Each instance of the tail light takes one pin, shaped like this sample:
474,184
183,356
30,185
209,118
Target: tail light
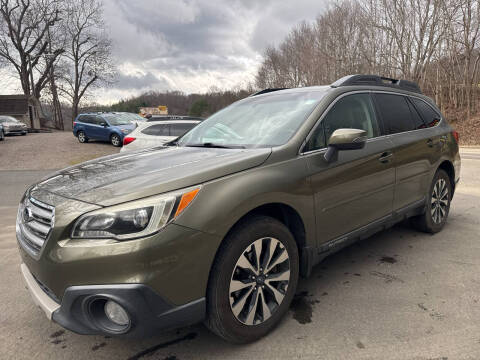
74,123
128,139
456,136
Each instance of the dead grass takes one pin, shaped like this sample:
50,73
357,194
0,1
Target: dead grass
469,130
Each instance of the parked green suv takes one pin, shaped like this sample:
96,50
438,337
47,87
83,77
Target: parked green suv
218,226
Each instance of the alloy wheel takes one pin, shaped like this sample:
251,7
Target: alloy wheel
440,199
259,281
115,140
81,137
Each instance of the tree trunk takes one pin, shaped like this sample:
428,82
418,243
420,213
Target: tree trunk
74,110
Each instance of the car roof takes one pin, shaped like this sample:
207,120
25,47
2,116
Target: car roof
354,82
172,122
174,117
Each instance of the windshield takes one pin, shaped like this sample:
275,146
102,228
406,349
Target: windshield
263,121
115,119
5,119
132,116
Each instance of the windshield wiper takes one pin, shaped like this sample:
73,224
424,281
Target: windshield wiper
213,145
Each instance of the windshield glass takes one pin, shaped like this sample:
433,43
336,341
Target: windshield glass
5,119
132,116
115,119
262,121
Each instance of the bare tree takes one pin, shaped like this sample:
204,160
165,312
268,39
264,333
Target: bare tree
24,42
433,42
87,53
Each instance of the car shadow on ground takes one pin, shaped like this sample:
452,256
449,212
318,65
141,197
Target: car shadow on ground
334,272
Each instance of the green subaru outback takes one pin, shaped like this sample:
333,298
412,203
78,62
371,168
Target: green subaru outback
219,225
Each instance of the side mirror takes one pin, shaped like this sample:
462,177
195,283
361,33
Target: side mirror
104,124
345,139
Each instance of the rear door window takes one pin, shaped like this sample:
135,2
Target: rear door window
180,129
430,116
395,113
157,130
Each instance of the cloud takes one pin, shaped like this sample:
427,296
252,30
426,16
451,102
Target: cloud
140,81
193,45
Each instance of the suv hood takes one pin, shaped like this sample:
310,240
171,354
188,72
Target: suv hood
131,126
128,176
11,123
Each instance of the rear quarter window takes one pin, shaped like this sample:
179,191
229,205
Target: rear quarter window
157,130
429,115
417,119
180,129
395,113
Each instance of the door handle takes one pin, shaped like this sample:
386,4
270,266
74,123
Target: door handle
386,157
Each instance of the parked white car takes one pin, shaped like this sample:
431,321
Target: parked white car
12,125
156,133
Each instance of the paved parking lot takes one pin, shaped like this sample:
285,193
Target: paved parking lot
398,295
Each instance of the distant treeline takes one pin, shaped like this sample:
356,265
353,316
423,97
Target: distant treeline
178,102
435,43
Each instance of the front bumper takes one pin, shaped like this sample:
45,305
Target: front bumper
14,131
40,297
81,308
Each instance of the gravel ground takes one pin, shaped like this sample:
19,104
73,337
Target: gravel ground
48,151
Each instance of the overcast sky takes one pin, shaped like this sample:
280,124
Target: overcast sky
192,45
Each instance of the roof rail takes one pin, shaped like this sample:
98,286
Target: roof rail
265,91
377,81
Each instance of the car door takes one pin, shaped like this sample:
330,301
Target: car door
88,127
411,149
355,188
101,128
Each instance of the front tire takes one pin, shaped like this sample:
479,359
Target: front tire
2,135
438,204
253,280
115,140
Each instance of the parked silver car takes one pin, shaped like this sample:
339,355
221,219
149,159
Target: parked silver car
156,133
12,126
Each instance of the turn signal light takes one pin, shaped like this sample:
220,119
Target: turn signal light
127,140
185,200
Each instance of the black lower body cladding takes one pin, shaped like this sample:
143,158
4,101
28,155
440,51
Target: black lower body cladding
82,310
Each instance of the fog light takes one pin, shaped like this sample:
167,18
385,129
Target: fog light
116,313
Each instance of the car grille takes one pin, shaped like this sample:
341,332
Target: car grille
35,221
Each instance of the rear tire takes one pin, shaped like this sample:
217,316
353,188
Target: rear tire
82,138
115,140
437,206
244,302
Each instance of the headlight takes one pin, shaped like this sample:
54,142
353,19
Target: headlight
125,131
134,219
